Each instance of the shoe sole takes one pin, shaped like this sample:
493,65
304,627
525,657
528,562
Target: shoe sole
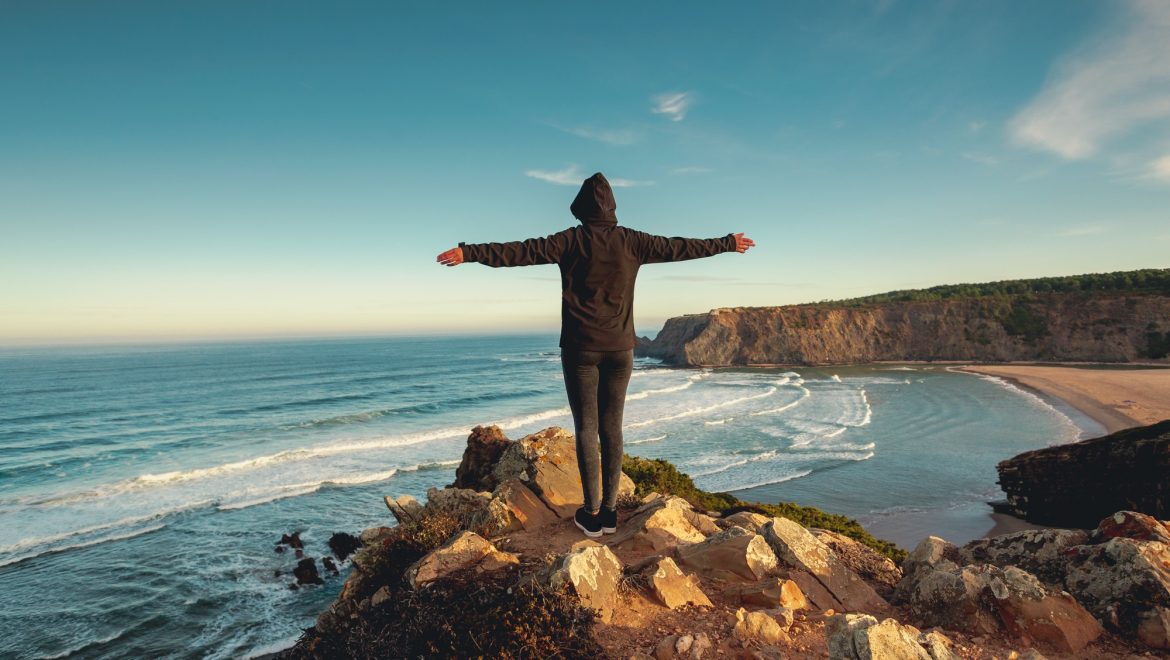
588,533
609,530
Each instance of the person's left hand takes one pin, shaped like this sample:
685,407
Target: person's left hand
452,257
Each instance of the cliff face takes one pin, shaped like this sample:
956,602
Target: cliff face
1053,327
1078,484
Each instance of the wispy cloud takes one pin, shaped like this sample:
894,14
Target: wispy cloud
1160,169
981,158
673,104
1086,230
1104,89
976,126
573,176
691,169
616,137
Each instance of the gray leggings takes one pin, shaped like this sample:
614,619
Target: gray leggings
596,384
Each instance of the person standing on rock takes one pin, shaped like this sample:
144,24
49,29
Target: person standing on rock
599,261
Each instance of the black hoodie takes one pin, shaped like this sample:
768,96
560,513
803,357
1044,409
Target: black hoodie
599,262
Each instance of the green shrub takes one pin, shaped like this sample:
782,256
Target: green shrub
659,476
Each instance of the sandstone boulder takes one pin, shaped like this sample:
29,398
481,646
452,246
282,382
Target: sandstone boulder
659,524
485,445
404,507
797,547
673,588
1031,612
769,592
862,637
869,564
733,554
525,509
464,550
749,520
1132,525
593,573
758,627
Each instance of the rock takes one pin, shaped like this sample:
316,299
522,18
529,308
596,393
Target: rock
1153,628
869,564
1038,551
984,599
659,524
672,587
665,648
485,445
1125,583
524,507
797,547
380,596
292,540
306,572
299,553
683,644
404,507
769,592
701,646
758,627
1078,484
279,548
749,520
937,645
1132,525
862,637
461,551
733,554
329,565
547,462
375,534
593,573
344,545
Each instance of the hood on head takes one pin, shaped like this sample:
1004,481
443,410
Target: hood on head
594,204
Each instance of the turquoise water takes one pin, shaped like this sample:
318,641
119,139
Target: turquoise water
142,489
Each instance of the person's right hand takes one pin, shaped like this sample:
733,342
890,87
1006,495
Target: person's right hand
452,257
742,243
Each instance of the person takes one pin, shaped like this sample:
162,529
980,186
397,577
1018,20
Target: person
599,261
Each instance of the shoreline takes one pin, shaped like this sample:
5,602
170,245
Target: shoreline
1116,398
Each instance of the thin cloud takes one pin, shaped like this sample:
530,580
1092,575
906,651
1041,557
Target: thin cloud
1088,230
615,137
1103,90
573,176
691,169
1160,169
673,104
976,126
982,159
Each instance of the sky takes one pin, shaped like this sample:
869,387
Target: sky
204,169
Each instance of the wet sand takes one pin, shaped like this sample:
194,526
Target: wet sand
1117,398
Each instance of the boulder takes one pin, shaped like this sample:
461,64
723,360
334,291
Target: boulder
546,461
593,572
733,554
1078,484
1038,551
862,637
344,545
525,509
374,534
463,504
673,588
769,592
485,445
659,524
1031,612
937,645
1132,525
758,627
463,550
404,507
306,572
797,547
749,520
1125,583
872,566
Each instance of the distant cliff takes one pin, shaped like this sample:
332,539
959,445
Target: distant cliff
1089,326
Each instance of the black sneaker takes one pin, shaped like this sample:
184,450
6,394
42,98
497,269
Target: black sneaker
590,523
608,518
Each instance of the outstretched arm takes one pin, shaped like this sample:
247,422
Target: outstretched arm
659,249
530,252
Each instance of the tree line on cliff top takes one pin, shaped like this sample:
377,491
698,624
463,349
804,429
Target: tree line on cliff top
1146,281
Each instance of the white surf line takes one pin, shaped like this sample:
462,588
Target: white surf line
772,411
1034,398
699,411
734,464
85,544
780,480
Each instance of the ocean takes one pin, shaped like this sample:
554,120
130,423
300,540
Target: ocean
142,489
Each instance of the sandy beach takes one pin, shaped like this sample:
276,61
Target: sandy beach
1117,398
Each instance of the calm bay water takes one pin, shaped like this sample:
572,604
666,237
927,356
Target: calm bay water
142,489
